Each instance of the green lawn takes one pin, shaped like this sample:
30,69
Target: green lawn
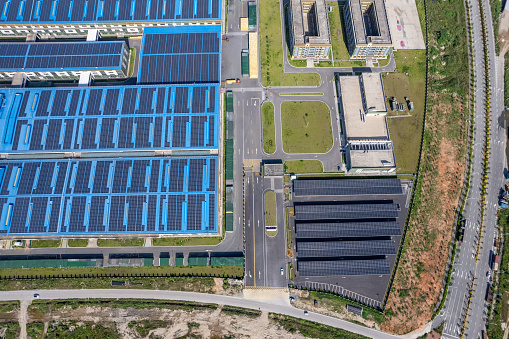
290,94
270,209
77,242
306,127
186,241
127,242
405,132
338,38
271,50
269,130
44,243
303,166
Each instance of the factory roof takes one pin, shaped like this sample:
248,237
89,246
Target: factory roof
93,11
108,118
58,56
109,196
180,55
373,93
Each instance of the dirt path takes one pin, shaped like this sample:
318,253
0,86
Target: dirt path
22,317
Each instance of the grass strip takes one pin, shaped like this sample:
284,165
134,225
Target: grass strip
127,242
269,129
45,243
186,241
270,208
303,166
77,242
290,94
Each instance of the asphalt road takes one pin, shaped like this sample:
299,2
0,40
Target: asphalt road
283,308
467,272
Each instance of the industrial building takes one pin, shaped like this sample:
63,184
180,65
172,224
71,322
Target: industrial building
363,110
180,55
309,29
110,17
367,29
108,119
64,60
127,159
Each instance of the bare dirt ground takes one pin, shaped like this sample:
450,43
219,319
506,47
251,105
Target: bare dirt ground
422,266
200,324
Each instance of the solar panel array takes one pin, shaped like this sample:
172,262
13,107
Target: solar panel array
322,249
347,211
109,118
180,55
343,268
151,195
61,56
347,229
81,11
346,187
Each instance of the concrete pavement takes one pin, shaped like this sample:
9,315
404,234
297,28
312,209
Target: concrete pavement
276,307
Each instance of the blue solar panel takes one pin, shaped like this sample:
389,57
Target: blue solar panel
180,55
81,11
108,196
109,118
58,56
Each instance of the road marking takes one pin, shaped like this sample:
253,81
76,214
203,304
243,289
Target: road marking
254,235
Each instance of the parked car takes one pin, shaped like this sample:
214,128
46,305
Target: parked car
282,271
305,312
36,295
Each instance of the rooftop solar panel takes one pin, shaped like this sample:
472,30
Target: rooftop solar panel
347,211
343,268
323,249
100,196
346,187
180,55
108,118
347,229
83,11
57,56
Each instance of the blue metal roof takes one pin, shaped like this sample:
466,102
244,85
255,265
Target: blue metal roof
180,55
61,56
93,11
109,118
141,195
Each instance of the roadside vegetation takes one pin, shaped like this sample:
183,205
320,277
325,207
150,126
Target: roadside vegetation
45,243
239,311
152,277
408,82
501,310
186,241
269,129
303,166
11,330
421,268
311,329
306,127
271,50
124,242
77,242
